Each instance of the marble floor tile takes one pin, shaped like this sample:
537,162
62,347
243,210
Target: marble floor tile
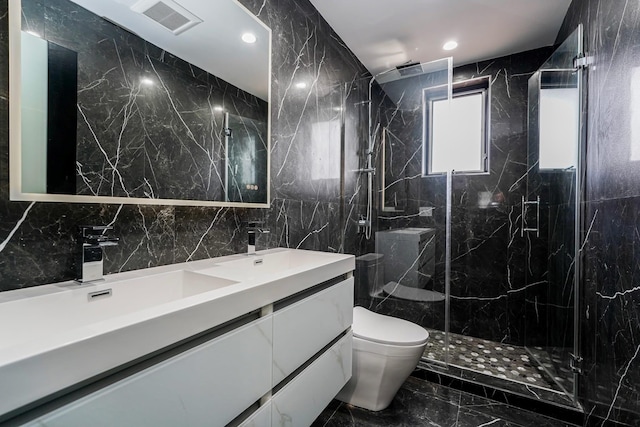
421,403
509,362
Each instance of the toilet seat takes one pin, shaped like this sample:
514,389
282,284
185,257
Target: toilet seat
382,329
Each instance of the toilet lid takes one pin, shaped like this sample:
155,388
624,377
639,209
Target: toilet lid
385,329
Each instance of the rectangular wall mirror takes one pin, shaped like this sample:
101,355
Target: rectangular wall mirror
139,102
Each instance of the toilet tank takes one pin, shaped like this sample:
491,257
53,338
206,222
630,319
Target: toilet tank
409,255
369,276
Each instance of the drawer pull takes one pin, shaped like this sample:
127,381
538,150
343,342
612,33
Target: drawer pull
92,296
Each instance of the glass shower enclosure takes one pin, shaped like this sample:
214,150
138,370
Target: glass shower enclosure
489,271
551,216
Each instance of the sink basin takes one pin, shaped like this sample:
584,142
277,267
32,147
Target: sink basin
90,303
259,265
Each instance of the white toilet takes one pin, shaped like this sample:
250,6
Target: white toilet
385,352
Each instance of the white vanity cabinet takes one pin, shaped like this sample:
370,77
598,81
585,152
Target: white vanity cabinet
208,385
303,328
260,418
280,364
301,401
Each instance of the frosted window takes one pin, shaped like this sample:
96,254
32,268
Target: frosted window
457,137
325,150
558,128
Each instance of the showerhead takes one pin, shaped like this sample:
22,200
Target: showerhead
409,69
412,69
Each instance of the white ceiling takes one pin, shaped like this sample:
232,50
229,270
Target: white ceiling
386,33
214,45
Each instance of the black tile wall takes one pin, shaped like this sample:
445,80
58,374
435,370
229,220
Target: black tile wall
610,308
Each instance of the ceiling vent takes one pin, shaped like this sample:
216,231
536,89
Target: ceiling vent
167,13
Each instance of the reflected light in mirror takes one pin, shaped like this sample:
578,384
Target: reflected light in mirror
635,115
450,45
249,38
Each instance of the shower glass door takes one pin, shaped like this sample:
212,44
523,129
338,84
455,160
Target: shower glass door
550,214
411,217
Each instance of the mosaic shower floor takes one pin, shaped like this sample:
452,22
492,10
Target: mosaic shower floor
498,360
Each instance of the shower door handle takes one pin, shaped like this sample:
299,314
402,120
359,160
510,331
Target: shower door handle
523,222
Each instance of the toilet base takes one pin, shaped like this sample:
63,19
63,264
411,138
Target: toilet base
378,373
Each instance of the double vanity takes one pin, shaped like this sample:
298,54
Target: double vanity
250,340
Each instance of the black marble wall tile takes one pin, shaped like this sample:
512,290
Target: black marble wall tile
205,232
611,301
42,245
610,305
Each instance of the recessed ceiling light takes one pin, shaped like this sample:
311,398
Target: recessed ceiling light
218,108
249,38
301,85
147,81
450,45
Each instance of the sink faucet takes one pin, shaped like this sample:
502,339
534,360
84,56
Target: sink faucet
91,241
253,231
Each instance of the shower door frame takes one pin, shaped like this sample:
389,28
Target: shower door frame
580,67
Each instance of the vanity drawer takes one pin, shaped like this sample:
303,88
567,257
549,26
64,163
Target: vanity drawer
301,401
260,418
306,327
210,384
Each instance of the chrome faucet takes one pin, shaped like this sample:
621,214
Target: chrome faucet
91,241
253,231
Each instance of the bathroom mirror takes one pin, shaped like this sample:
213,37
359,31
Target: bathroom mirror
139,102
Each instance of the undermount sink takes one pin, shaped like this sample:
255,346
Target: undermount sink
91,303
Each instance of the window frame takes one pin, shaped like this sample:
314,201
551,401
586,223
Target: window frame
462,88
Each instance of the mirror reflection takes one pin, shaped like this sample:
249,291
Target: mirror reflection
246,148
153,107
